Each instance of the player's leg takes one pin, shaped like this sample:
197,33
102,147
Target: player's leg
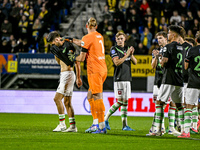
163,96
155,95
171,116
58,101
198,123
116,105
178,98
90,98
97,92
191,101
92,107
70,112
126,94
193,128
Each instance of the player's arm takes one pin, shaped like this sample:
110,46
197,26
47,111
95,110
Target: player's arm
81,57
118,61
133,59
78,74
163,61
57,59
76,41
155,59
186,65
72,40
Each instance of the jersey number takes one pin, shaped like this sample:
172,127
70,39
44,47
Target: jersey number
179,64
197,60
100,41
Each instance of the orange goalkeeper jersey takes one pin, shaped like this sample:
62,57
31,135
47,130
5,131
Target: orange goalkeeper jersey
94,43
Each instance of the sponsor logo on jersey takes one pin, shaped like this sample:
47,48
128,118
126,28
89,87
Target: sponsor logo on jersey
113,51
164,49
64,50
82,43
179,47
98,36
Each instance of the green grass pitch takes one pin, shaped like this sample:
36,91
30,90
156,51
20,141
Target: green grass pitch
34,131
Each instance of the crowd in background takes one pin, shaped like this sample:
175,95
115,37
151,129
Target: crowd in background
25,24
142,19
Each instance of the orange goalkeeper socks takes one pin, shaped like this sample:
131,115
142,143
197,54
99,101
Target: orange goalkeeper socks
93,108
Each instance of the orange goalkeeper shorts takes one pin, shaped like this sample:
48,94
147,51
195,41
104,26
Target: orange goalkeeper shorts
96,81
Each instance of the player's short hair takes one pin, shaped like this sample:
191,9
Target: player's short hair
92,23
197,36
190,40
52,35
178,30
161,33
120,33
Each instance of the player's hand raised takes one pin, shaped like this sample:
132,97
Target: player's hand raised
72,57
67,38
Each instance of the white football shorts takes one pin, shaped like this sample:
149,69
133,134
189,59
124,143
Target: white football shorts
122,90
192,96
66,85
175,92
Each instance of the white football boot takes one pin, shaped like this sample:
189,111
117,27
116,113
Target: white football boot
60,127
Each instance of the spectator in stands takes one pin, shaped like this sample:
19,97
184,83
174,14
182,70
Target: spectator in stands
44,46
141,50
118,19
23,46
144,6
148,14
184,23
112,5
103,26
6,29
156,8
106,14
198,15
23,26
195,27
109,32
6,7
182,8
37,8
15,17
14,46
162,24
123,5
189,18
5,47
189,33
146,38
168,8
135,36
130,41
176,18
31,18
133,21
153,46
35,30
194,6
150,25
107,43
2,17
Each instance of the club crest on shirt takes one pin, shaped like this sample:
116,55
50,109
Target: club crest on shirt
119,92
164,49
82,43
113,51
